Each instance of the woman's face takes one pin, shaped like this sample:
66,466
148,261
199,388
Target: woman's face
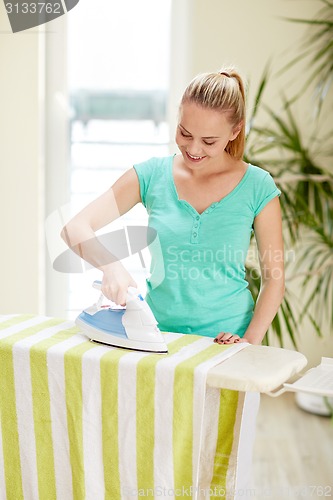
202,135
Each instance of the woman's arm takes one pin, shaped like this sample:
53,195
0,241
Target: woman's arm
79,233
268,232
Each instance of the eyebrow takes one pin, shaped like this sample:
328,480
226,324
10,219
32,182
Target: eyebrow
208,137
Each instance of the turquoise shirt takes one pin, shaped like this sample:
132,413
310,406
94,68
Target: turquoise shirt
197,283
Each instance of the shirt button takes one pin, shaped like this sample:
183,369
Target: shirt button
197,217
196,225
195,235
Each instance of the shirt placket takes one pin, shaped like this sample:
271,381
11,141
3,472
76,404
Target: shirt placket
195,232
197,220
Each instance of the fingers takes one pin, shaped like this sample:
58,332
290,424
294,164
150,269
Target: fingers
227,338
116,295
117,292
121,297
109,291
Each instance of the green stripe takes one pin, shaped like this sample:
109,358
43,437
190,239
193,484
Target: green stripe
11,449
10,438
109,396
29,331
15,320
42,412
225,439
183,405
145,413
74,405
175,345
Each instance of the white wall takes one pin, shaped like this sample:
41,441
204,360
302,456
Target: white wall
21,186
33,162
56,161
247,34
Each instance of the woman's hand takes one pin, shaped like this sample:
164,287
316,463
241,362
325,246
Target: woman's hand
115,283
228,338
80,234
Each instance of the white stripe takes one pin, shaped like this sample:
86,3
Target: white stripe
92,424
232,471
171,337
245,445
3,495
199,408
209,439
26,343
57,390
6,317
192,349
24,408
127,420
11,330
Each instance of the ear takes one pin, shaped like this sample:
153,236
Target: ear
236,130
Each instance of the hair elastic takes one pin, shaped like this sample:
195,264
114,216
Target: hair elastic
225,74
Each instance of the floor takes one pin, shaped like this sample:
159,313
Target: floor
293,454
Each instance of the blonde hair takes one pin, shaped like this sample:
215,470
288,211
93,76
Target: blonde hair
223,91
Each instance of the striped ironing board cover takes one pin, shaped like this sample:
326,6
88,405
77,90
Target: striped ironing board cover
85,421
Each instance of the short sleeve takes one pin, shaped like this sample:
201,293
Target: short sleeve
144,172
266,191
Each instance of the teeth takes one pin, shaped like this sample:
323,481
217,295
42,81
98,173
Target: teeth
195,157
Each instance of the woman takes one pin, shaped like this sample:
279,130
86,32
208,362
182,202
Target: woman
204,204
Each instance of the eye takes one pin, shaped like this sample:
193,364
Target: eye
209,143
183,134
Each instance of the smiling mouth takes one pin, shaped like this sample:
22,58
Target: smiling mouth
194,158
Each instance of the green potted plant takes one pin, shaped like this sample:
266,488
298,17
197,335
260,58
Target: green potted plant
302,167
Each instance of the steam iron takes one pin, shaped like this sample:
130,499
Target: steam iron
131,327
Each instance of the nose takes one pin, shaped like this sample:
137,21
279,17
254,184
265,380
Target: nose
195,148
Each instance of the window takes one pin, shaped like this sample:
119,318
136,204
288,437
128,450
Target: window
118,67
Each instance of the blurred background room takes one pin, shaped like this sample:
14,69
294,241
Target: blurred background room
89,94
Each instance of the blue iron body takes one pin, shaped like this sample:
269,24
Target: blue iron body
133,327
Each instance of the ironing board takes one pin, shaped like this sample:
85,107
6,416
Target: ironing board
58,425
257,369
